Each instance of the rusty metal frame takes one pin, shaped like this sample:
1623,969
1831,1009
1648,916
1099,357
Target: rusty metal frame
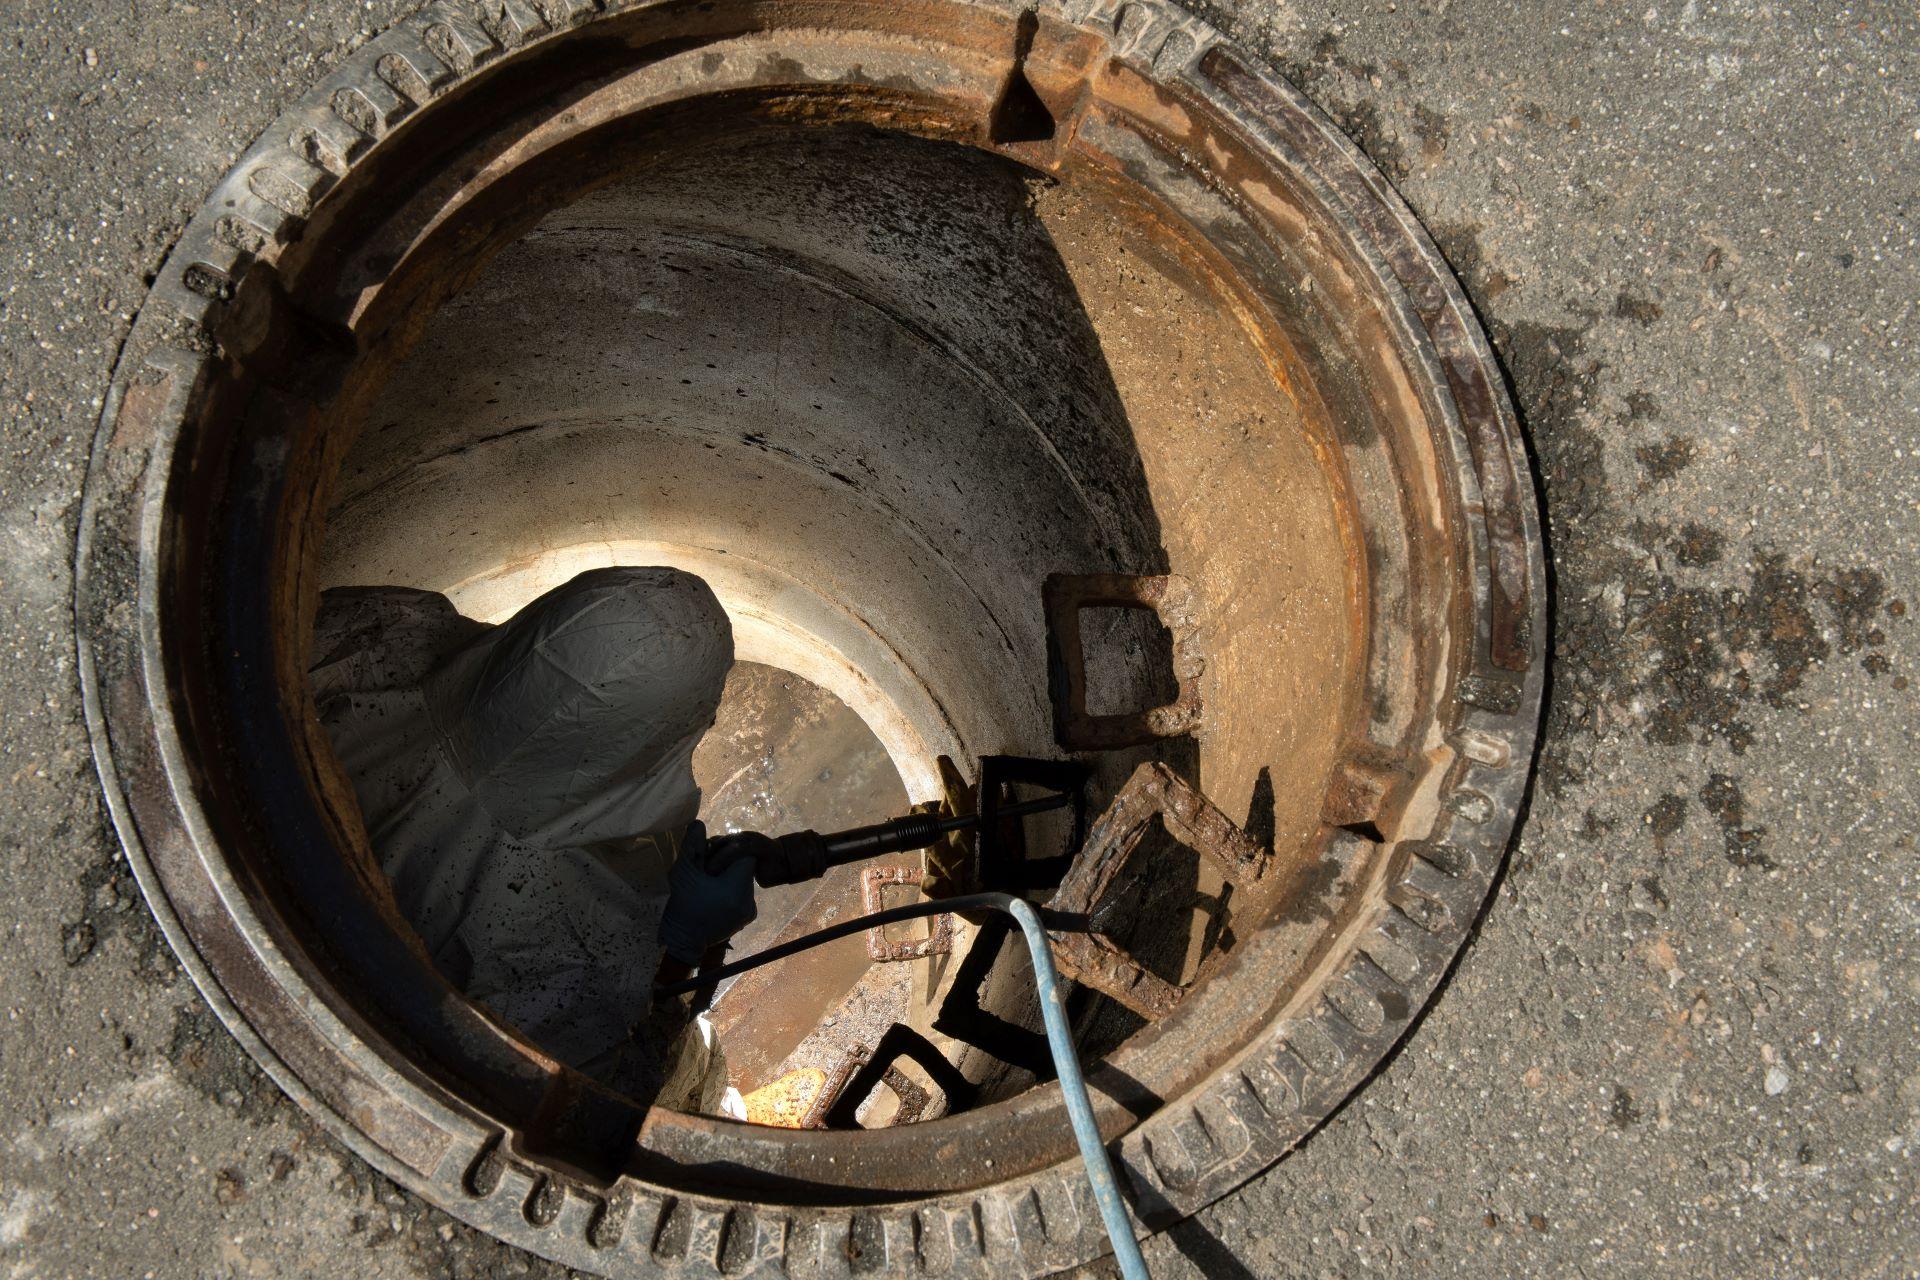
1154,791
837,1105
1170,598
827,1111
862,1069
874,882
182,586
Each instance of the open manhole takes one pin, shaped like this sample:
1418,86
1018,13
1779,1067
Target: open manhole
929,334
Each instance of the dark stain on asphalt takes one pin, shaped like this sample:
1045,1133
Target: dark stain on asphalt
1776,615
111,906
1668,658
1637,639
1696,545
1433,131
1641,407
1855,596
1459,244
1343,87
1721,796
211,1062
1667,459
1642,311
1691,544
1667,816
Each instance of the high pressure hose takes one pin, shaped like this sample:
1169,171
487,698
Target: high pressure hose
1053,1008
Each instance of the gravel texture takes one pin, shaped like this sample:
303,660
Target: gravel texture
1684,1039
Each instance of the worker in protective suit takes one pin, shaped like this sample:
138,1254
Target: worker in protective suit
528,789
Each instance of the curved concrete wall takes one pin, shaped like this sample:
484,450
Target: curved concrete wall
876,388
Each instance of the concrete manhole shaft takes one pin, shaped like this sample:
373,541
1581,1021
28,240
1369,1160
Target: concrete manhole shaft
878,316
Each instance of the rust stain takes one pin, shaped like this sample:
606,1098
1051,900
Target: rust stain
145,399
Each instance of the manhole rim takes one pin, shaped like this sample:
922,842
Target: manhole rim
1193,1149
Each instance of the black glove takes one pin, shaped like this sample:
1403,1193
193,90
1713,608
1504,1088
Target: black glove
750,847
784,860
709,894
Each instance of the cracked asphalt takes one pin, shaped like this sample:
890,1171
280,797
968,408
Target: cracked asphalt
1683,1040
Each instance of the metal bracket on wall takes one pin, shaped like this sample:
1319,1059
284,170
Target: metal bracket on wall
1153,792
873,887
1170,598
862,1070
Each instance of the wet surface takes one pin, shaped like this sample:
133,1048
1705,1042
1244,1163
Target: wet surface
785,755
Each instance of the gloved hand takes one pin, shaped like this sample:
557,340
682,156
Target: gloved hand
709,897
750,847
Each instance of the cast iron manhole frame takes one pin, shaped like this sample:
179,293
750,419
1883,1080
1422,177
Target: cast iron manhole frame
139,663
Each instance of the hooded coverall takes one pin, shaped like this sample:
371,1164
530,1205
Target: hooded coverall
526,788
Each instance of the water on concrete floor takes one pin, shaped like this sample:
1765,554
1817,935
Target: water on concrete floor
785,755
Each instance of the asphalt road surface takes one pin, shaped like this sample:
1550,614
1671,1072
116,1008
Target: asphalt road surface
1683,1040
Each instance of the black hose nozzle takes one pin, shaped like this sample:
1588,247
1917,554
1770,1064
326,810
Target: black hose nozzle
805,855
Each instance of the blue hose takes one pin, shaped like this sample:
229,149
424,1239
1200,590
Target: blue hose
1073,1087
1053,1008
